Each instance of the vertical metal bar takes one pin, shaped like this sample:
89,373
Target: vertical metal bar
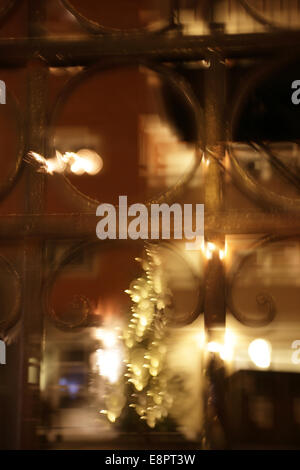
32,323
215,151
214,300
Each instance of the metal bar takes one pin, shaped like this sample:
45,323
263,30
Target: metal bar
77,226
32,320
213,191
214,284
75,51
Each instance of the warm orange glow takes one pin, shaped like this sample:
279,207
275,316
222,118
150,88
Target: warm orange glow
84,161
209,248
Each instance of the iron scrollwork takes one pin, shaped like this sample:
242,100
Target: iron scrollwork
95,27
269,200
80,306
265,303
15,314
14,106
260,17
179,85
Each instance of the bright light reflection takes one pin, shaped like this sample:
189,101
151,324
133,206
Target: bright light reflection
84,161
209,248
226,349
214,347
108,337
109,364
91,161
260,353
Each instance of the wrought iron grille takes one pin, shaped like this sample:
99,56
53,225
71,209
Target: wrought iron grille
209,47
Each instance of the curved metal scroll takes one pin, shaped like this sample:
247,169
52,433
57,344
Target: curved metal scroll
191,315
96,28
14,173
82,305
266,198
177,82
259,17
15,314
79,303
264,301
